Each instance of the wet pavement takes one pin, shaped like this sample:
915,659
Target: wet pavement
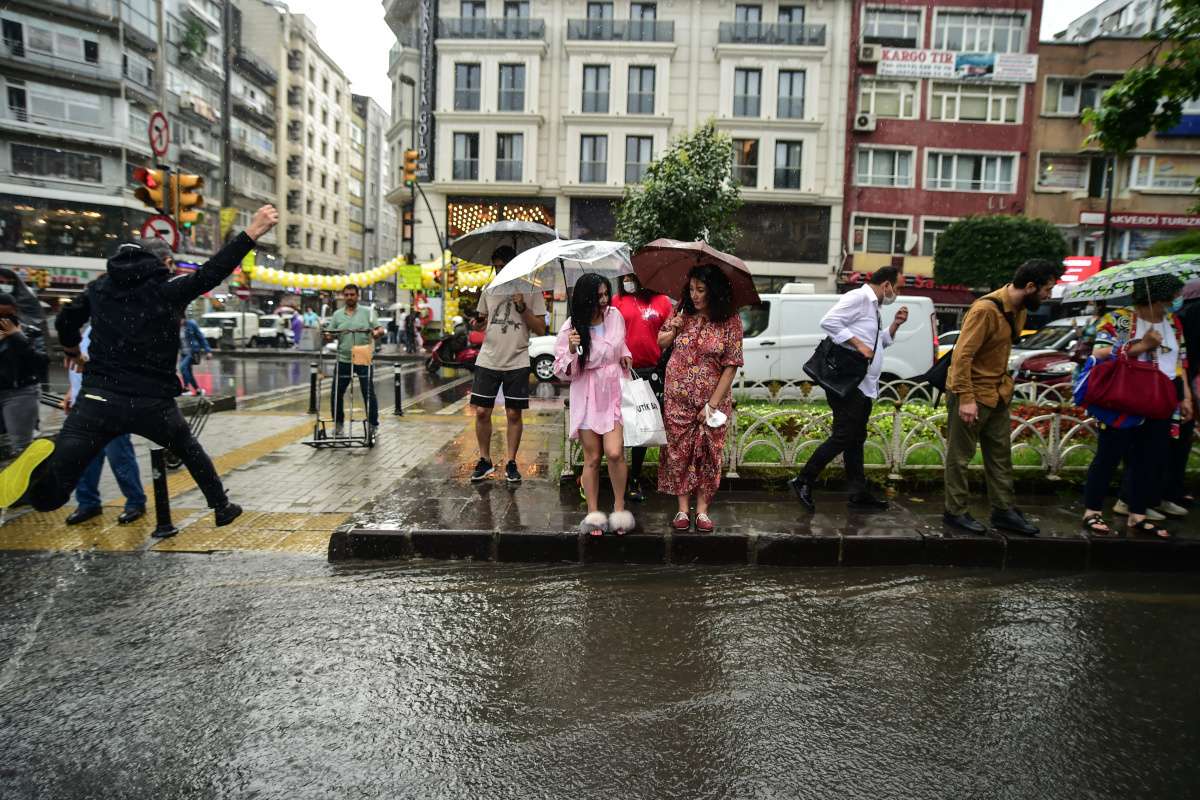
246,675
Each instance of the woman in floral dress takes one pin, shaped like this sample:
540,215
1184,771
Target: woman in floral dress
706,333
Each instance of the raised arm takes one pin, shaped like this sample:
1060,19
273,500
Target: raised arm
186,288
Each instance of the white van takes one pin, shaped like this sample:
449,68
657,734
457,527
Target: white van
243,324
781,333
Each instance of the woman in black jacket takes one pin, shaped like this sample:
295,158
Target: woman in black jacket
22,363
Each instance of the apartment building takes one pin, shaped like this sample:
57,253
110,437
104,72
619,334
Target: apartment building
1129,18
373,221
79,80
943,98
314,121
1155,184
546,111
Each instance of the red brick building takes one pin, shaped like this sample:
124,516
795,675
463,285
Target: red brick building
941,106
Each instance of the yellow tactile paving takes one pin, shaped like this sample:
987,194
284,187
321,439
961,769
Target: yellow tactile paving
48,532
181,481
257,530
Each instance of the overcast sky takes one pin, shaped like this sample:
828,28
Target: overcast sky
354,35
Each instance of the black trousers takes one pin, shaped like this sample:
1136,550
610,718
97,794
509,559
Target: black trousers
100,416
1180,450
344,372
1144,450
850,416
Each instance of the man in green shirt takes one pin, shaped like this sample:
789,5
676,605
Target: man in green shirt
366,329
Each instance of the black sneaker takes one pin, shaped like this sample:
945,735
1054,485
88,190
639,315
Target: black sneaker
634,493
510,472
803,491
482,470
227,514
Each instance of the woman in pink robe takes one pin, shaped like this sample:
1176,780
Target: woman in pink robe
590,353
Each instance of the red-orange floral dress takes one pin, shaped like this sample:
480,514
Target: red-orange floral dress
691,461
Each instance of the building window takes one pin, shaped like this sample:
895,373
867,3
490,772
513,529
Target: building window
892,27
970,172
641,90
931,232
337,186
308,206
466,156
787,164
595,89
309,173
1071,97
791,15
979,32
784,232
324,116
883,98
324,148
512,87
510,156
468,9
600,11
324,178
1167,172
336,216
516,9
44,162
747,92
791,94
322,212
880,235
745,162
323,241
638,154
965,102
879,167
308,240
1063,172
467,79
593,159
335,246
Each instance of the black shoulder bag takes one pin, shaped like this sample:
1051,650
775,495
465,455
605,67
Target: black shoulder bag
839,370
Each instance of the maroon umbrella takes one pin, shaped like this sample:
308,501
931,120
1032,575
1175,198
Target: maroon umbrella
1191,289
664,264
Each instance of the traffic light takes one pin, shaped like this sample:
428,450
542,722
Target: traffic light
153,190
410,167
188,199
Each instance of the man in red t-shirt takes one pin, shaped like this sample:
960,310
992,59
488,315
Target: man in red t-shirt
644,313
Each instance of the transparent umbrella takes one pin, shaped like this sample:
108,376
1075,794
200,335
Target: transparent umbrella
557,265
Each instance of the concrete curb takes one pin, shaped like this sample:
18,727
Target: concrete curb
829,549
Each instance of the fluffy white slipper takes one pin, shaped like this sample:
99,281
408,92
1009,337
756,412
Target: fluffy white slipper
594,523
621,522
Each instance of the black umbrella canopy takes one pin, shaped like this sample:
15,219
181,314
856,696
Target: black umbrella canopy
478,245
28,308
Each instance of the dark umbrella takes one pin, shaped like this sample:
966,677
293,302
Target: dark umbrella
664,264
1191,290
478,245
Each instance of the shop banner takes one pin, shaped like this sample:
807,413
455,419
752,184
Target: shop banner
1133,219
410,277
903,62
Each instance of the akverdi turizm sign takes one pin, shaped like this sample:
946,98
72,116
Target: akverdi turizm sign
1133,219
903,62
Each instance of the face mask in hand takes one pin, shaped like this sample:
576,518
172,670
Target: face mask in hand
630,287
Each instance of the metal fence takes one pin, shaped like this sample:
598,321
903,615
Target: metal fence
906,435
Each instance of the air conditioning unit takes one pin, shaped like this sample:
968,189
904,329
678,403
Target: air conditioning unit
864,122
868,53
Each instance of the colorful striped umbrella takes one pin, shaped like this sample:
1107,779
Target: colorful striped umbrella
1119,281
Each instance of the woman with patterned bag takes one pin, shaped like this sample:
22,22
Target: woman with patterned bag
1131,429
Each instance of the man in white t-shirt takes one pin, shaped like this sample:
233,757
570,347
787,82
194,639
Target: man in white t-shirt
503,361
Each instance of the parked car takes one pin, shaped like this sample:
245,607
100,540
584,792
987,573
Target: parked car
273,331
1052,369
1059,336
242,324
946,342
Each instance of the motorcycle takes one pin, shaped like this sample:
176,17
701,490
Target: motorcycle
456,350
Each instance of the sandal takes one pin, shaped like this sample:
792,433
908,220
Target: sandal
1148,530
682,521
1095,525
621,522
594,524
704,523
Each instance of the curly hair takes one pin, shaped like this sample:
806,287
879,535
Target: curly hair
720,292
1160,288
585,302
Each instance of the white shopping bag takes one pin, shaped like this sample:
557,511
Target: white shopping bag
640,415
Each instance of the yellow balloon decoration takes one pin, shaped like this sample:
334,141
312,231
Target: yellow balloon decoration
469,275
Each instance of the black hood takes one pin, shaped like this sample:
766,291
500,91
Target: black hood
133,265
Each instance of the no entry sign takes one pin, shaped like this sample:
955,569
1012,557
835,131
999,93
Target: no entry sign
160,133
161,227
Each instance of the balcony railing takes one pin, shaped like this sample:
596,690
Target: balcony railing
635,171
620,30
466,169
509,170
746,175
790,108
19,114
512,99
266,74
787,177
491,28
771,33
640,103
103,70
595,102
466,99
593,171
204,13
747,105
101,8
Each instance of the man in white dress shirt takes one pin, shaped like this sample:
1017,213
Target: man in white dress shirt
854,322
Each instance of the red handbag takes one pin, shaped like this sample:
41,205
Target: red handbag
1133,387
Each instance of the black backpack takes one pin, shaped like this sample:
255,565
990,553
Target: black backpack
940,371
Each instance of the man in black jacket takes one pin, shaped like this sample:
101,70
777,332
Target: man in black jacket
129,384
22,362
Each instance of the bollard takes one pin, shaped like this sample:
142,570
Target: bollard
398,386
312,387
162,502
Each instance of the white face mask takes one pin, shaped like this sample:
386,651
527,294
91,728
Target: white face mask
630,287
887,299
6,288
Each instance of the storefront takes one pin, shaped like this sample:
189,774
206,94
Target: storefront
1133,233
465,214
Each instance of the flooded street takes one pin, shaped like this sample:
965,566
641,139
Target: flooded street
243,675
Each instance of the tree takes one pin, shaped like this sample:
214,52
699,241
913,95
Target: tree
687,194
1150,97
1185,243
985,251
